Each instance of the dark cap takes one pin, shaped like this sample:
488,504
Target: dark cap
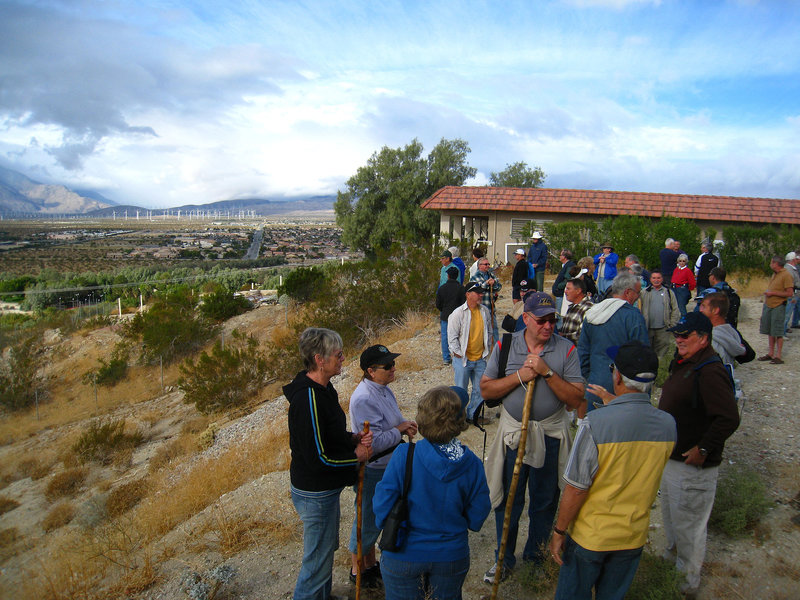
524,285
446,254
376,355
473,286
635,360
693,321
540,304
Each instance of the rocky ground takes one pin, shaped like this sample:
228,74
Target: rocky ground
761,565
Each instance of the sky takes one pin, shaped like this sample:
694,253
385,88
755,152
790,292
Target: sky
192,101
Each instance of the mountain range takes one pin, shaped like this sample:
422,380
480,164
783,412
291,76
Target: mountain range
22,197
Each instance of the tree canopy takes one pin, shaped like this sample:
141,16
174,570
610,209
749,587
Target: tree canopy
518,174
381,202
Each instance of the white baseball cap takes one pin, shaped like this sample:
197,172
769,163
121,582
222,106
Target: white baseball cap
521,251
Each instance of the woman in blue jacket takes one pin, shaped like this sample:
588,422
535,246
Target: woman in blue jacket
448,495
605,268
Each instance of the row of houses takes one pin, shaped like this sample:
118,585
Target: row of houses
495,216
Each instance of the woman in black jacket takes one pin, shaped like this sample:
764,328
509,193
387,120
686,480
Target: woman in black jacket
325,457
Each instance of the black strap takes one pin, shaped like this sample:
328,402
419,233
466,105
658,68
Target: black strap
409,463
385,452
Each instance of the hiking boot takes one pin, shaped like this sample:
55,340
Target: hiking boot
370,579
488,577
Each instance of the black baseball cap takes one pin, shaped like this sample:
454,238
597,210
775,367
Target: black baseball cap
473,286
693,321
376,355
635,360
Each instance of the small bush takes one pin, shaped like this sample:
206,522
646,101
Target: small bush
303,284
66,483
61,514
7,504
33,468
112,372
103,440
225,378
125,497
740,502
221,305
19,377
171,451
656,579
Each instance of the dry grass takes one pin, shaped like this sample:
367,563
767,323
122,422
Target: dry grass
66,483
174,502
195,424
748,285
58,516
34,468
230,534
124,497
7,504
8,542
170,451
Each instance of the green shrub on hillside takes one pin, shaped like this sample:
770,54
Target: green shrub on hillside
740,502
303,284
112,372
19,377
171,327
102,440
221,305
750,247
226,377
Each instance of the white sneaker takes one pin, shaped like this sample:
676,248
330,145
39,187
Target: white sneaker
488,577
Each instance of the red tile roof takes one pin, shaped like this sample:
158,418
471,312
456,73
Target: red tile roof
602,203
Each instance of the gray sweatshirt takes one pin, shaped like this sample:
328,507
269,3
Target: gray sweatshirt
726,343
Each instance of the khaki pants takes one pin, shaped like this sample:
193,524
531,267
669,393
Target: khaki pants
661,341
687,497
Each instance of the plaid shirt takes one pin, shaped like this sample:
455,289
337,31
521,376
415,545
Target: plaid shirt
572,321
482,278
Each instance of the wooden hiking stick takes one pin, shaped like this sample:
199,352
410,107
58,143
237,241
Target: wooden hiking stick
359,492
512,489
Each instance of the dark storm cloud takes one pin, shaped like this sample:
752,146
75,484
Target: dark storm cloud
92,78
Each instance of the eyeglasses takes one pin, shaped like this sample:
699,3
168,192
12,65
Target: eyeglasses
611,367
386,367
483,264
543,320
682,336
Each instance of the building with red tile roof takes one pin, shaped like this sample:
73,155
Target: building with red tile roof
496,215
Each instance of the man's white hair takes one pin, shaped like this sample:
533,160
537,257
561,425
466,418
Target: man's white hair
668,242
636,385
454,251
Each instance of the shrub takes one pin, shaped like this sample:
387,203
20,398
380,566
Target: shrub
112,372
58,516
170,451
103,440
303,284
226,377
66,483
655,579
7,504
171,328
33,468
740,501
124,497
18,374
221,305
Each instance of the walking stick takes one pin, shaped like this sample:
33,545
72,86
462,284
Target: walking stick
512,489
359,552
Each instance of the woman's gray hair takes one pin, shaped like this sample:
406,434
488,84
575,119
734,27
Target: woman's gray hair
683,257
318,340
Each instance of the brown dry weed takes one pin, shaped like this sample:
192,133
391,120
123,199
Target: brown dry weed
58,516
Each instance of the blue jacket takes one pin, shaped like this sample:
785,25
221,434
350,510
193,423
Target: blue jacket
446,498
611,265
611,322
461,267
538,254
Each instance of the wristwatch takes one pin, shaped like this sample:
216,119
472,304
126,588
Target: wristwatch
703,452
549,374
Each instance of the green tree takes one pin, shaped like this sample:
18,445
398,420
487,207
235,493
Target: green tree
18,374
221,304
381,202
518,174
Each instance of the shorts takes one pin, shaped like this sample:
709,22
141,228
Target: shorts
772,320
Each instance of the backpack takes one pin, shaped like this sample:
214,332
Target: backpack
749,353
696,396
505,348
734,302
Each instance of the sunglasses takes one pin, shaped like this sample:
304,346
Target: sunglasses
682,336
543,320
387,367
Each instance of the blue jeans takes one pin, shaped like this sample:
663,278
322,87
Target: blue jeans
369,531
441,580
559,303
603,283
610,573
445,346
682,295
791,308
543,495
319,512
473,371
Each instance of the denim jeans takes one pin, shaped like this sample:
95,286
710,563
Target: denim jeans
791,307
682,295
440,580
603,283
543,492
473,371
369,531
319,512
445,345
610,573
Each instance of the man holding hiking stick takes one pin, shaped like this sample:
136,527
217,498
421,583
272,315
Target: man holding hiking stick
537,357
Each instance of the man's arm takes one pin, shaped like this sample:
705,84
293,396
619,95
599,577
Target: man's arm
572,500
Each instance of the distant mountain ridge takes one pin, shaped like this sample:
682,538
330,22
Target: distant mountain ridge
21,197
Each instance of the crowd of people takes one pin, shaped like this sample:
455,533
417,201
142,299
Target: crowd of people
586,354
